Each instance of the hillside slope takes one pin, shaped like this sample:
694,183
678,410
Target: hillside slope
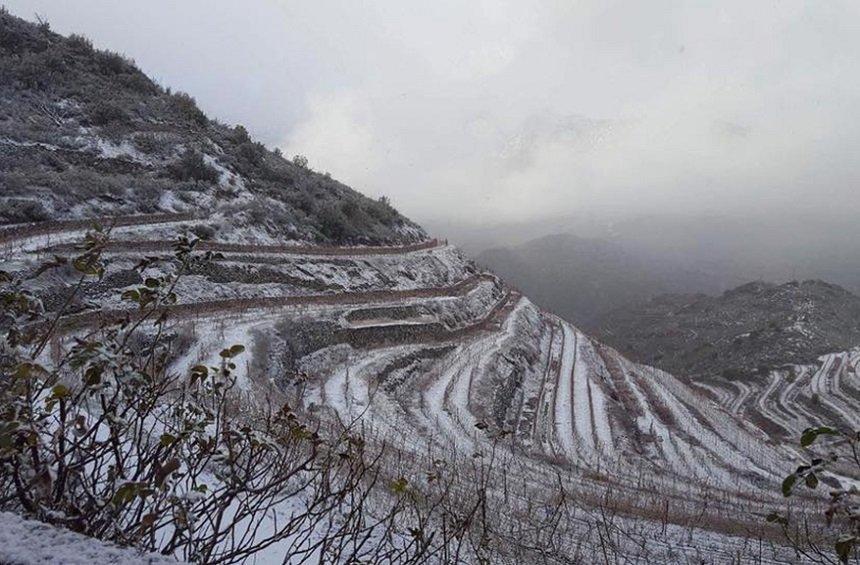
23,542
83,133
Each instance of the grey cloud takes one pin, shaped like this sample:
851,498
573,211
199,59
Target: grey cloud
520,110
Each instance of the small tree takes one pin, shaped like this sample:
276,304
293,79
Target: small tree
186,107
300,161
192,166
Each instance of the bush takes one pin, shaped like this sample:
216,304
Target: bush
53,161
22,211
186,108
240,135
110,63
148,143
118,447
38,71
300,161
334,225
192,167
104,113
127,450
251,153
82,184
18,36
381,210
138,82
349,209
203,231
13,183
80,44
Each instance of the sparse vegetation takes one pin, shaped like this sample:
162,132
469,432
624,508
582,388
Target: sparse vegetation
108,442
118,448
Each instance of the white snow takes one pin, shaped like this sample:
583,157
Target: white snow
29,542
564,412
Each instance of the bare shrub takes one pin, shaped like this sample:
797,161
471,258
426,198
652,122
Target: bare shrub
108,443
837,457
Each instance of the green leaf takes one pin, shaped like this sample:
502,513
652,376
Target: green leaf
809,435
125,493
60,391
88,265
167,440
811,480
788,485
93,375
26,370
199,372
232,351
844,547
132,295
399,486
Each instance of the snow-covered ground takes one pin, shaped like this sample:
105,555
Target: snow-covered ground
28,542
431,354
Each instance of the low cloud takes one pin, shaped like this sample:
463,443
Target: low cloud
496,111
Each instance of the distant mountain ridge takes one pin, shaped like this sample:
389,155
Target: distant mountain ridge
742,333
583,279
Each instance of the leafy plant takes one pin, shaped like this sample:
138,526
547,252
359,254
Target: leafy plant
842,514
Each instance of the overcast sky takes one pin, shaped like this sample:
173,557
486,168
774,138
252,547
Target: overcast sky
491,111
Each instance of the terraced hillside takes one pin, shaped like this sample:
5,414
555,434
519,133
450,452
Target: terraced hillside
432,355
794,396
